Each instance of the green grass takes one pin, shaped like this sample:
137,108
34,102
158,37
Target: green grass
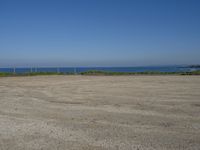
42,73
96,72
191,73
32,74
105,73
3,74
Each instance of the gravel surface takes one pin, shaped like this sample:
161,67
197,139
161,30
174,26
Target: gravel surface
100,113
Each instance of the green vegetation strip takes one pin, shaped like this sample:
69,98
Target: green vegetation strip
96,72
2,74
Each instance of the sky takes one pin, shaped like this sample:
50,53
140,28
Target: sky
99,33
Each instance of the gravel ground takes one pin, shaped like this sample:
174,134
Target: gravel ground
100,113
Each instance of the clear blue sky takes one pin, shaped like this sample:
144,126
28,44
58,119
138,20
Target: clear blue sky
99,32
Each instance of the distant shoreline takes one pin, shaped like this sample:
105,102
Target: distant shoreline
99,73
106,71
116,70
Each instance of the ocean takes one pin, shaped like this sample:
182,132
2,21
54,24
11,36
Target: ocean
112,69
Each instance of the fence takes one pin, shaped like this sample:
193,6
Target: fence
16,70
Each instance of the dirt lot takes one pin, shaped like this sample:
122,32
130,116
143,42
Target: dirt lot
100,113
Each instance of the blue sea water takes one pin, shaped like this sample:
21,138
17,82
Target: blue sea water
112,69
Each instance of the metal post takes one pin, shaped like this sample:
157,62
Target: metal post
74,70
35,69
14,70
58,70
31,69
